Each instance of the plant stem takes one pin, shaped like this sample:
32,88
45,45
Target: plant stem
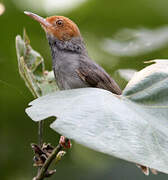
40,137
42,173
40,133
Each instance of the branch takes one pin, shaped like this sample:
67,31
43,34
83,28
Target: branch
42,173
40,133
56,154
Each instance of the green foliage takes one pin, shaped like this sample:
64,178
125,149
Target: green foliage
97,21
32,68
132,126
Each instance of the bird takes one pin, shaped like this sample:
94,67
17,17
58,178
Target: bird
72,66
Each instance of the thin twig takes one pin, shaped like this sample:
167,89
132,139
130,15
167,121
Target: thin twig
40,136
40,133
42,173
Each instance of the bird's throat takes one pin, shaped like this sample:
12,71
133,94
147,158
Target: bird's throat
74,45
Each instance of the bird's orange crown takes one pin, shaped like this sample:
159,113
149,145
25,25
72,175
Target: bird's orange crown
59,26
62,27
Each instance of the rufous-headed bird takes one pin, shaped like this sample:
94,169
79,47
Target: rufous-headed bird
71,64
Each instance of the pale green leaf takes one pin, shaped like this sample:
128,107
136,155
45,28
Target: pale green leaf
32,68
133,126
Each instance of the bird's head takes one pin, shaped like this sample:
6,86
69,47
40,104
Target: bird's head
59,27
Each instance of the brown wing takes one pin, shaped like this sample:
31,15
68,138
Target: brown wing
95,76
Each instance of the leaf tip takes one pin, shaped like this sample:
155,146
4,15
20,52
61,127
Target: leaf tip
149,61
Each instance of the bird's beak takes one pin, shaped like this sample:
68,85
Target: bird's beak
41,20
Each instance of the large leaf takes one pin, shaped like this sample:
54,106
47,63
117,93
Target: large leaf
133,126
131,42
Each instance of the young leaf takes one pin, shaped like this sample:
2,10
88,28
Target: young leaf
32,68
133,126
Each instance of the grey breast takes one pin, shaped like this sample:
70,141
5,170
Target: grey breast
65,67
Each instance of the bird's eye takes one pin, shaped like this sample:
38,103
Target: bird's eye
59,23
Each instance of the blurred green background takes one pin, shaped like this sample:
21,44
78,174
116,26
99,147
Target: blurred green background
119,35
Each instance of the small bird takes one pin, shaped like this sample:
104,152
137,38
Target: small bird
71,64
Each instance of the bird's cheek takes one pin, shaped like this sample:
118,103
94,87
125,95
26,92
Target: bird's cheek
60,34
67,34
66,37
